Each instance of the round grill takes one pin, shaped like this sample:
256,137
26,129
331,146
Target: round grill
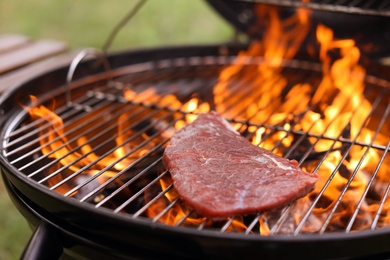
102,154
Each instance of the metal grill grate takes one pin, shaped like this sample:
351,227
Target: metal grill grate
110,154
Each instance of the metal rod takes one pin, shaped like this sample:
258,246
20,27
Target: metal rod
112,164
252,224
130,165
183,219
126,184
330,178
106,141
166,209
121,24
227,224
347,185
83,126
386,193
41,124
64,111
90,129
76,61
357,208
147,205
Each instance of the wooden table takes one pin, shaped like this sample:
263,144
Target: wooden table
22,58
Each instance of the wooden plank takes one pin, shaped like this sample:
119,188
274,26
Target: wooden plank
10,42
13,78
30,53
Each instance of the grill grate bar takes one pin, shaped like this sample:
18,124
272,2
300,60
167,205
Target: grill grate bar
202,224
102,186
140,145
140,192
74,139
386,193
35,127
147,205
341,139
64,112
243,91
252,224
166,209
337,202
76,129
113,126
370,182
141,158
298,142
302,135
182,220
129,166
283,217
125,185
321,192
248,119
227,224
31,127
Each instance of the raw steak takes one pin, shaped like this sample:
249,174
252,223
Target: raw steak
220,173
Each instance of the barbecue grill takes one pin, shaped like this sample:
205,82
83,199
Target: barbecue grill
81,150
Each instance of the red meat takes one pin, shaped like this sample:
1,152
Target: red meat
219,173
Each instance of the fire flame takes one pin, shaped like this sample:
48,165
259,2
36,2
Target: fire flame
334,111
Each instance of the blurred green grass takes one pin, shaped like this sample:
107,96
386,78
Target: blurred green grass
87,24
14,229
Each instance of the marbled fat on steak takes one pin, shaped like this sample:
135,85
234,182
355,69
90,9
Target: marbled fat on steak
219,173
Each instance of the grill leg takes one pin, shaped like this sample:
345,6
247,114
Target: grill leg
45,243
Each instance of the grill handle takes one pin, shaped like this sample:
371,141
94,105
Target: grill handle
45,243
101,60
